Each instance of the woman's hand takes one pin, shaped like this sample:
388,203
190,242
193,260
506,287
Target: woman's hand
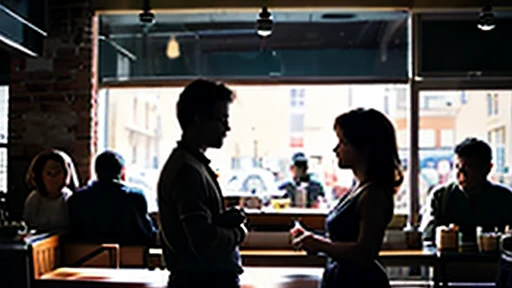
297,231
309,242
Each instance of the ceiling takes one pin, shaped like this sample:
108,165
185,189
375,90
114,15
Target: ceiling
102,5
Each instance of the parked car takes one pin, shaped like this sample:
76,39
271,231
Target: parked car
249,182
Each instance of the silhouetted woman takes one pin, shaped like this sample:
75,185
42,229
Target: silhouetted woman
356,225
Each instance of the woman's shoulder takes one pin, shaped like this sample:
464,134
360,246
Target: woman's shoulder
377,193
33,196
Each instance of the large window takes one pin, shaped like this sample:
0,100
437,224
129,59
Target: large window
335,46
269,124
270,120
465,114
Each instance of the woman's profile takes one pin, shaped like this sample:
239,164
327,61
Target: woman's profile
356,225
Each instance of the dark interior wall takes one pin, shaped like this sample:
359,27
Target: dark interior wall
23,26
5,68
52,98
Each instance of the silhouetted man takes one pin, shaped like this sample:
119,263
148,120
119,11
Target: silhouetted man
107,210
201,239
472,200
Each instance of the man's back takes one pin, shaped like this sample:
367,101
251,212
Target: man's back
109,211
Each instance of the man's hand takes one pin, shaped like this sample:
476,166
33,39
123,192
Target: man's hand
244,233
231,218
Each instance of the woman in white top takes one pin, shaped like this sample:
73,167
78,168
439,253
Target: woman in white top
53,177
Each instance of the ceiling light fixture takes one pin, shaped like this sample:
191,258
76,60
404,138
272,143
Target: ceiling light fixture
173,48
146,16
486,20
264,23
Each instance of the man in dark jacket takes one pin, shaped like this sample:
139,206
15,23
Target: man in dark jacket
107,210
314,190
200,238
472,200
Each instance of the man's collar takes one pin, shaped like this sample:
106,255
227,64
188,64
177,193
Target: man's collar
195,152
476,190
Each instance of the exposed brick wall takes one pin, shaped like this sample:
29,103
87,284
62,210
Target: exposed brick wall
53,98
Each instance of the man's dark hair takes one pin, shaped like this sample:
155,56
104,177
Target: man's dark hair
109,165
475,149
198,98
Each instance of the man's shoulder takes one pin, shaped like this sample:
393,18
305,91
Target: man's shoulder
178,164
315,184
439,190
80,193
79,197
179,157
133,190
289,184
500,188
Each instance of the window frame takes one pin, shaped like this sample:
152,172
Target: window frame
6,144
416,86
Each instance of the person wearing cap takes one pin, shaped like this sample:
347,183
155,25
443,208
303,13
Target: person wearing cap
301,177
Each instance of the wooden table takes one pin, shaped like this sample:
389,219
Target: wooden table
463,265
253,277
288,258
263,269
424,257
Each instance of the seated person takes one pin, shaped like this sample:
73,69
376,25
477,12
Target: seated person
314,190
53,177
107,210
470,201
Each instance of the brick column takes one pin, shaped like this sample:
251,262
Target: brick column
52,101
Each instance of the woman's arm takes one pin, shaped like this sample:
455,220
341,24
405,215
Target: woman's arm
29,208
374,208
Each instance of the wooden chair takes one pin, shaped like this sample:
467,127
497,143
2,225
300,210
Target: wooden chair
104,255
45,255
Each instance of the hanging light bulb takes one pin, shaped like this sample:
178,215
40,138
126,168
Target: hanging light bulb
173,48
264,23
486,20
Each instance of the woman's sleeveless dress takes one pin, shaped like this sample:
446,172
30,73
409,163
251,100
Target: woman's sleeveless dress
342,224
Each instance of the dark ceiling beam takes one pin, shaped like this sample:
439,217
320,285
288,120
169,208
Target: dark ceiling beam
101,5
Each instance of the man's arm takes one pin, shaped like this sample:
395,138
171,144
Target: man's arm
74,223
204,236
430,220
506,204
287,187
317,193
141,206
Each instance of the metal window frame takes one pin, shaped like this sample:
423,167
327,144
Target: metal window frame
416,86
6,144
419,85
